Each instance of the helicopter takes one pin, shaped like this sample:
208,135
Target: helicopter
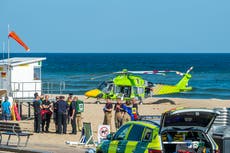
128,85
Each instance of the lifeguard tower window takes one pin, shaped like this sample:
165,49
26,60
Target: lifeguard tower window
37,73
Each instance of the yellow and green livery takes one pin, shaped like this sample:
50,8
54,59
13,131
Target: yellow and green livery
128,85
134,136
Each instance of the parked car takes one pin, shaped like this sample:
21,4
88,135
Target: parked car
180,131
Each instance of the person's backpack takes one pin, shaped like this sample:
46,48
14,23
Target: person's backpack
79,106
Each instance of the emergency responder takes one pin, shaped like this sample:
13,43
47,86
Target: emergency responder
62,108
69,101
78,115
127,112
46,115
55,113
108,112
37,113
135,108
118,113
72,112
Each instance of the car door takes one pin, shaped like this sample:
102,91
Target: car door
134,138
118,144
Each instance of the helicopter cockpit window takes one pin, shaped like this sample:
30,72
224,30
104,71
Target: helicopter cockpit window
124,90
106,87
102,86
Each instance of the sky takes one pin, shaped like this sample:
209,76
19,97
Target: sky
114,26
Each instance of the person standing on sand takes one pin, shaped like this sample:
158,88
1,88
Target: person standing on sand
72,112
78,114
127,112
69,101
46,116
108,112
118,113
62,108
135,108
6,107
37,113
55,113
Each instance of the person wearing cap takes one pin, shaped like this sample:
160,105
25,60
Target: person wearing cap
118,113
108,112
6,113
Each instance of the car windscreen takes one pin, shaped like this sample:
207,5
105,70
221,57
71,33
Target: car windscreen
201,119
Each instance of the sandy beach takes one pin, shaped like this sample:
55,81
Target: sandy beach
52,142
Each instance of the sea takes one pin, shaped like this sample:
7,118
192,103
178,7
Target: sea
79,72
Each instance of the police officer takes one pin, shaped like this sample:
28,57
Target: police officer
46,108
62,108
55,113
72,112
118,113
108,112
37,113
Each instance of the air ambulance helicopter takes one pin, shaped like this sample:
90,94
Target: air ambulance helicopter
127,85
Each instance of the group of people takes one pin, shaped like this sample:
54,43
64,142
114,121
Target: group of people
63,111
124,112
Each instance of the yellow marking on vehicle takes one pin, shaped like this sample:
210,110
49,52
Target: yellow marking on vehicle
130,146
113,146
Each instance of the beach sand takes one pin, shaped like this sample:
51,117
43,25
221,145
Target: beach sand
52,142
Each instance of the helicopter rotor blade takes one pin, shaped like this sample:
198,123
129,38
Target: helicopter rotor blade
101,76
189,70
147,72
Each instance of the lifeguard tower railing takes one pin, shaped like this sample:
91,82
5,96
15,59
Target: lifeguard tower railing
23,92
26,90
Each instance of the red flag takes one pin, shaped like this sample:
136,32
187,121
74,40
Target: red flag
13,35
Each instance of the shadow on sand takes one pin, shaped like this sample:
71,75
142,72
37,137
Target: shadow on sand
161,101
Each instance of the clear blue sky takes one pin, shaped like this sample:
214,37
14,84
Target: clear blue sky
118,25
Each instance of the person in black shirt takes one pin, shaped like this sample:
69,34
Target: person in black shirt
55,113
72,112
108,112
37,113
62,108
46,113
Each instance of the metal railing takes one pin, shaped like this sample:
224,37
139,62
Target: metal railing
26,90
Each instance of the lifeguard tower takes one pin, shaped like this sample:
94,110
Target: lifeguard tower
21,77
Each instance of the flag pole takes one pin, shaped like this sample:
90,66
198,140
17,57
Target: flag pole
3,50
8,67
8,43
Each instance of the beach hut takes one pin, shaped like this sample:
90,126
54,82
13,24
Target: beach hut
21,77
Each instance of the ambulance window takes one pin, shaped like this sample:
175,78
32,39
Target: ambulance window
122,132
147,136
136,133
